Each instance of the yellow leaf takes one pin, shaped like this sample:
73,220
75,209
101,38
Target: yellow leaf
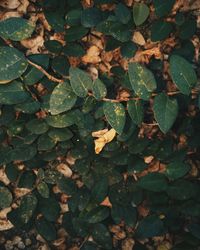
104,136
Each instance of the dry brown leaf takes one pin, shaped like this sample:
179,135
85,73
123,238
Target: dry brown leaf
19,192
10,4
64,169
5,224
106,202
33,44
128,244
23,6
123,94
3,176
92,55
138,38
104,136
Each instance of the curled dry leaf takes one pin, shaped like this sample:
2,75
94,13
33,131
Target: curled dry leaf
104,136
10,4
128,244
92,55
23,6
106,202
64,169
33,44
19,192
5,224
3,177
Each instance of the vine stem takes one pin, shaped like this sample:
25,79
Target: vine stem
54,79
50,77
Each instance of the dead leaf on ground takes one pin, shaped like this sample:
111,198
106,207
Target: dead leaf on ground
5,224
106,202
3,176
64,169
10,4
138,38
92,55
128,244
104,136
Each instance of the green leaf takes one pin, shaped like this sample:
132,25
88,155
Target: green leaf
49,208
28,107
176,170
128,49
43,189
75,33
150,226
60,65
16,29
115,115
27,208
162,8
61,134
62,99
12,64
97,214
140,13
142,80
165,111
122,13
46,229
99,89
22,153
5,197
136,111
61,120
182,73
160,30
182,190
13,93
37,126
188,29
102,236
73,49
33,75
100,190
90,17
154,182
80,81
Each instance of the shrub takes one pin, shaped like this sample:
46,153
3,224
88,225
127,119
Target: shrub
100,112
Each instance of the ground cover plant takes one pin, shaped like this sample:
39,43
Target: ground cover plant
99,116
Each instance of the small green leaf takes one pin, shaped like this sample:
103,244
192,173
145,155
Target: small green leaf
61,134
162,8
61,120
27,208
60,65
97,214
99,89
140,13
142,80
115,115
160,30
154,182
46,229
90,17
5,197
176,170
182,73
102,236
12,64
43,189
165,111
37,126
136,111
62,99
80,81
49,208
16,29
75,33
100,190
122,13
128,49
188,29
150,226
13,93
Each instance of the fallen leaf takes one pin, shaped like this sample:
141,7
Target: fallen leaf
10,4
92,55
106,202
104,136
138,38
5,224
64,169
128,244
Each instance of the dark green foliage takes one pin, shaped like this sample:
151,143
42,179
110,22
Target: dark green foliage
139,173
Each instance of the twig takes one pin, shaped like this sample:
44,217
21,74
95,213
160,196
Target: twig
50,77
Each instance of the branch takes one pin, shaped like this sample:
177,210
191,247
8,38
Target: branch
50,77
